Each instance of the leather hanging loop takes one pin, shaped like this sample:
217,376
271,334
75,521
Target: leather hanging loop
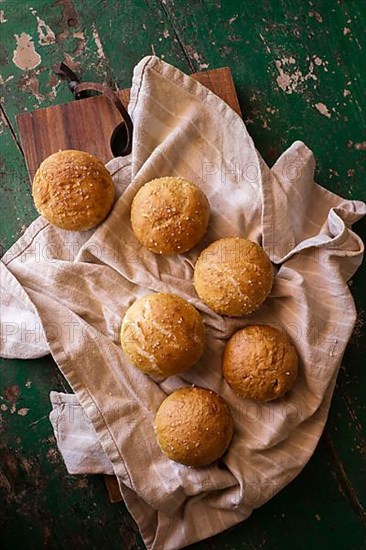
113,97
125,128
64,70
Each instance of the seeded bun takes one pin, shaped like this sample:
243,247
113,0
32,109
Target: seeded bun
169,215
162,334
194,426
233,276
260,363
73,190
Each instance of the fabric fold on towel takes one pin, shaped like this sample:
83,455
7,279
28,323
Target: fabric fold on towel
76,438
69,292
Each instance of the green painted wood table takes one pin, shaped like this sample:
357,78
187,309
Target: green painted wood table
299,71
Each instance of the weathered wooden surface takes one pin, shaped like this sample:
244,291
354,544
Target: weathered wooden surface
298,67
88,124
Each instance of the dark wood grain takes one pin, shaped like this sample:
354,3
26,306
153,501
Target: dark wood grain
87,124
113,488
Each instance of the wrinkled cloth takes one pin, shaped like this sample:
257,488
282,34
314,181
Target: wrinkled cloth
66,293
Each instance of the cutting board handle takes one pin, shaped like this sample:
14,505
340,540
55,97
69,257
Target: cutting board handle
121,138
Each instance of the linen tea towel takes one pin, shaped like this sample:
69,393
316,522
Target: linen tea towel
78,299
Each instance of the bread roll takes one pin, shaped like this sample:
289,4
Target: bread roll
194,426
233,276
73,190
260,363
162,334
169,215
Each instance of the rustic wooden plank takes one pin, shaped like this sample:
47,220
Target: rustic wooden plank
113,489
88,124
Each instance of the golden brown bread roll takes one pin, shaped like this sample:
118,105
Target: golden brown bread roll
162,334
233,276
73,190
169,215
194,426
260,363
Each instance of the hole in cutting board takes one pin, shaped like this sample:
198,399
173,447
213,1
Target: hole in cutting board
118,142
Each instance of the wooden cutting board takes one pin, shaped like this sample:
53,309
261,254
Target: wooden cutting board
87,125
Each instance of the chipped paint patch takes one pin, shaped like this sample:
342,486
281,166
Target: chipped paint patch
232,19
265,43
23,411
2,81
197,57
63,35
79,34
54,83
319,62
69,60
53,93
283,80
4,124
346,31
323,109
287,60
333,173
81,43
2,17
30,83
360,146
3,407
317,16
25,56
166,33
98,42
11,393
346,93
292,79
28,383
53,455
81,484
5,483
271,110
46,36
